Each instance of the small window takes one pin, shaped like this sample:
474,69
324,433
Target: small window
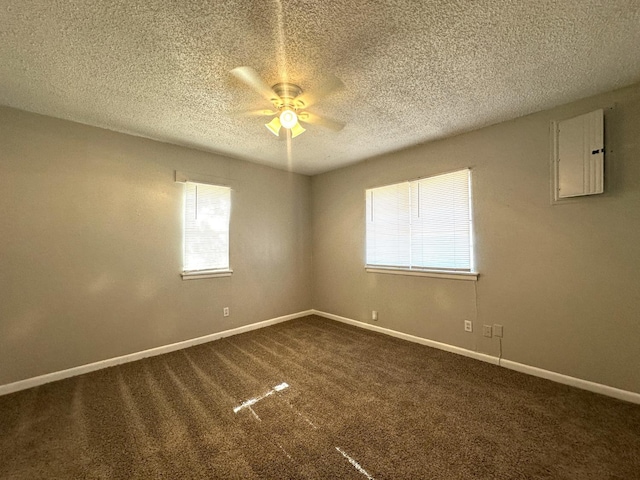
422,224
206,230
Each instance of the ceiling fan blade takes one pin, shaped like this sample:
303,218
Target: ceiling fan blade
250,77
314,119
329,85
254,113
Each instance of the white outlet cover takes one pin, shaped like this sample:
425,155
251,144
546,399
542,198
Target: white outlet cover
468,326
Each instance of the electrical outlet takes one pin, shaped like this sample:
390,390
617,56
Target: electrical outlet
486,330
497,330
225,311
374,315
468,326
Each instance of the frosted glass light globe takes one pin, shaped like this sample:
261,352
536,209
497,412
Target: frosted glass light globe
288,118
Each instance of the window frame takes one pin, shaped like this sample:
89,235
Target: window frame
453,274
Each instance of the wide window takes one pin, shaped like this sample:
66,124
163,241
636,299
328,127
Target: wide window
423,224
206,230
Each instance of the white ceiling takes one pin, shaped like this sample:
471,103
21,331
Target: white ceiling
414,70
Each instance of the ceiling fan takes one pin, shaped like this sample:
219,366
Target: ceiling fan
289,102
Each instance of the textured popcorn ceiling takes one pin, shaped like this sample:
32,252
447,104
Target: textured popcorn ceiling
414,70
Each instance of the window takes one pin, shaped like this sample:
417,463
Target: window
421,225
206,230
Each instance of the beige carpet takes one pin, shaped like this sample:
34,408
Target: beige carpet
315,399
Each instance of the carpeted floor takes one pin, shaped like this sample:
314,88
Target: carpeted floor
315,399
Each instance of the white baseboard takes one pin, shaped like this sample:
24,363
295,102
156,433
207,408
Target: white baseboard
573,381
537,372
132,357
411,338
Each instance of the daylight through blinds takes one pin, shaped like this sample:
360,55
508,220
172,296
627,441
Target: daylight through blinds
422,224
206,227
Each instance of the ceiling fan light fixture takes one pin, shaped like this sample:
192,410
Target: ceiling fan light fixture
274,126
297,130
288,118
289,103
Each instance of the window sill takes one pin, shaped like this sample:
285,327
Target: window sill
450,274
194,275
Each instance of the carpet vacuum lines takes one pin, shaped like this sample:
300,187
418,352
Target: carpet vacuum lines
351,394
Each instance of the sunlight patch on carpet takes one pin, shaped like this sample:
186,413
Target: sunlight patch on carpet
355,464
253,401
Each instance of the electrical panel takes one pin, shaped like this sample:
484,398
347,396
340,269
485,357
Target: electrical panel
579,156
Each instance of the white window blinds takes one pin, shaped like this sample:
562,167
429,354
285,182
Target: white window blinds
206,227
388,225
422,224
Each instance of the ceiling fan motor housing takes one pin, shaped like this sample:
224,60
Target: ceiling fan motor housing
288,92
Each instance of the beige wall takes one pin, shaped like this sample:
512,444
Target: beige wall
91,246
90,250
564,280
